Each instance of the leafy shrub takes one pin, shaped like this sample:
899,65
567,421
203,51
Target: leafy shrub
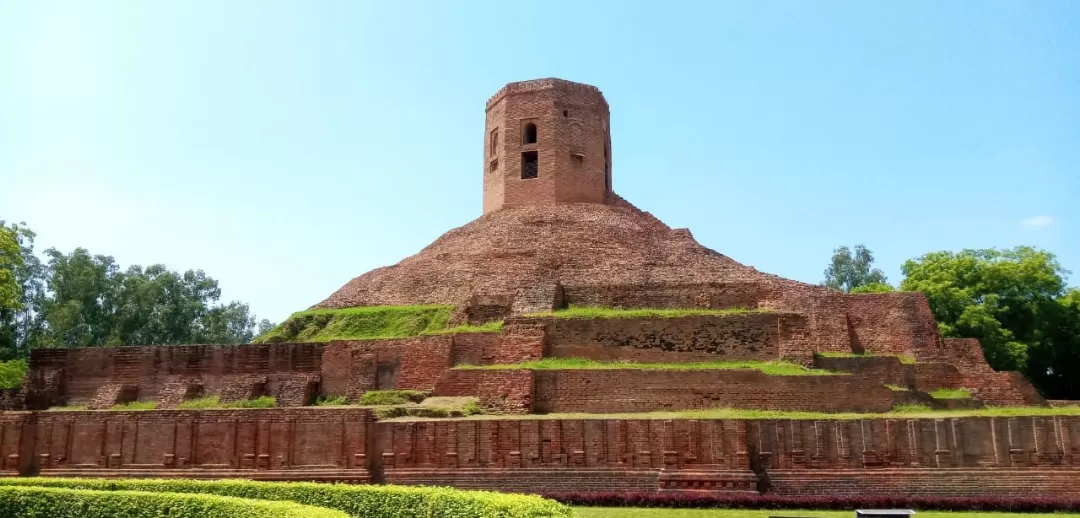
136,405
356,500
819,502
332,401
12,373
259,402
391,397
200,403
54,502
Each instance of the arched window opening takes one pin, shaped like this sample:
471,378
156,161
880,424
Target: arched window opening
493,148
530,133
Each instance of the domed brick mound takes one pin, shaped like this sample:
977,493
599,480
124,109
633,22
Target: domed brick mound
584,248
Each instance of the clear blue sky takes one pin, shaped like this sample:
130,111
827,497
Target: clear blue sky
286,147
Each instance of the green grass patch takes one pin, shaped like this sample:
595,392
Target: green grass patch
332,401
951,394
603,312
896,388
259,402
391,397
12,373
136,405
210,402
355,500
658,512
904,358
774,368
67,408
362,323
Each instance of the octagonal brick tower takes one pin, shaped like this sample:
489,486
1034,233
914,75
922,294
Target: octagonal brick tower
546,141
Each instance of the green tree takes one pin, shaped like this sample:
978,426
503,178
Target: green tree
10,261
874,287
20,327
849,271
997,296
1054,358
83,288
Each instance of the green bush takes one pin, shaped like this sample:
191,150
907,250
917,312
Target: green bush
207,402
332,401
18,501
360,501
391,397
12,373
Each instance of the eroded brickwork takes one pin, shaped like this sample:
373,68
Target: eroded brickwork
625,390
752,336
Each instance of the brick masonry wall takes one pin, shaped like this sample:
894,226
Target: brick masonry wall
296,444
753,336
572,144
898,323
667,295
928,377
626,390
508,391
884,369
1031,456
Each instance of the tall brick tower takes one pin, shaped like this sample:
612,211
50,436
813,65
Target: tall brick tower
546,141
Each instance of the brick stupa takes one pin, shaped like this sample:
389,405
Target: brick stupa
553,234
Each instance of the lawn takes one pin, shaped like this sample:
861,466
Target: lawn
772,368
652,512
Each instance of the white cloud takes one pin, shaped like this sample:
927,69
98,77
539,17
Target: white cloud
1038,222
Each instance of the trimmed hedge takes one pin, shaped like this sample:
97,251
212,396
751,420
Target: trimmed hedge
697,500
365,501
51,502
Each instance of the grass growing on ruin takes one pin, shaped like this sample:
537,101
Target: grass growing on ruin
432,407
655,512
332,401
904,358
136,405
12,373
773,368
392,397
604,312
896,388
951,394
210,402
67,408
370,322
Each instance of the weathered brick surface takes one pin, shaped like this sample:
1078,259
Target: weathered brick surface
113,394
752,336
1031,456
175,392
572,147
884,369
626,390
508,391
284,444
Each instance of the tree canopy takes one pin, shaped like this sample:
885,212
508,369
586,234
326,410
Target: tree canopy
849,271
997,296
79,299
